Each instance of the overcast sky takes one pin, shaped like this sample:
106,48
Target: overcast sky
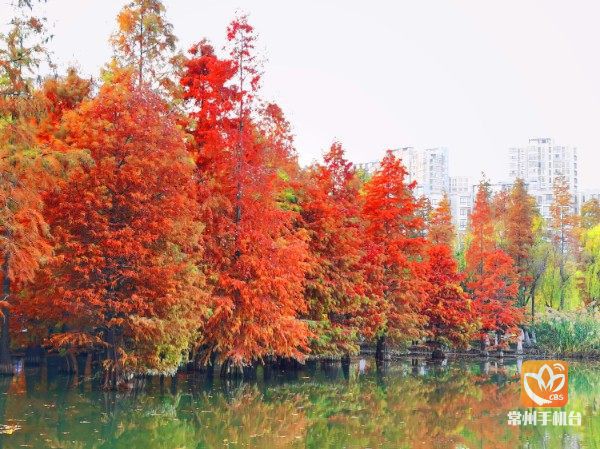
475,76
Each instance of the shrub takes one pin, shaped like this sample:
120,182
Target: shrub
564,332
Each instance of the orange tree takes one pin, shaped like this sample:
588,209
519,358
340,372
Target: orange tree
255,257
448,308
491,275
123,273
393,259
330,210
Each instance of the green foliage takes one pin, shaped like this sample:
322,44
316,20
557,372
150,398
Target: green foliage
565,332
551,286
591,255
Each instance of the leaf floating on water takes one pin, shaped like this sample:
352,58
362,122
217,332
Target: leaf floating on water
9,429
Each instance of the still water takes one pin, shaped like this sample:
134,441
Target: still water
412,404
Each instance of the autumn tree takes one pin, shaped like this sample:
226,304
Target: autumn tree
393,256
255,257
207,84
481,231
440,229
123,274
36,165
519,235
24,234
590,213
330,210
145,41
563,233
491,274
448,308
499,203
23,167
494,292
23,49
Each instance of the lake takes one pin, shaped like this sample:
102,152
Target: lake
412,404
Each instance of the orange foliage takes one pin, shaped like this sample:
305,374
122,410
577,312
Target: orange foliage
125,239
394,253
255,257
334,282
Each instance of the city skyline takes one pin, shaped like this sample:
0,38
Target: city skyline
476,77
370,165
539,163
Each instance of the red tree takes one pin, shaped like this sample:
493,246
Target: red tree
495,291
27,168
448,308
481,227
255,257
334,281
393,257
123,273
492,277
440,229
520,235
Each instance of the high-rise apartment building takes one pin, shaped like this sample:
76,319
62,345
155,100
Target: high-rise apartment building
588,194
461,202
429,168
539,163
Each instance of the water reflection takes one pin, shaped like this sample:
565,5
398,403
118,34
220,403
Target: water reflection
412,404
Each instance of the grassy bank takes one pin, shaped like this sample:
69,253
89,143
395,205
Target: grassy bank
569,333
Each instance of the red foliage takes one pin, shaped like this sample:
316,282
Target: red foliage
124,235
481,231
334,282
495,291
394,253
255,258
493,278
440,229
448,308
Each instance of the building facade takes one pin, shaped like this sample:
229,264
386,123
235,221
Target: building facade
539,164
461,202
588,194
428,167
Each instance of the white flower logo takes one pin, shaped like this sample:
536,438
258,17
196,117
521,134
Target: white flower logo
547,381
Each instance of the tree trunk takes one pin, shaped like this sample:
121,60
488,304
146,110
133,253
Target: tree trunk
532,307
485,342
87,371
33,355
520,339
346,366
230,370
6,366
73,365
562,286
114,377
526,339
381,351
249,372
438,354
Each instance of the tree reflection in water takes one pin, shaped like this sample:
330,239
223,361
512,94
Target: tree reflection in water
410,404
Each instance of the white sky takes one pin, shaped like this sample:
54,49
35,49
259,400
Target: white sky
475,76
